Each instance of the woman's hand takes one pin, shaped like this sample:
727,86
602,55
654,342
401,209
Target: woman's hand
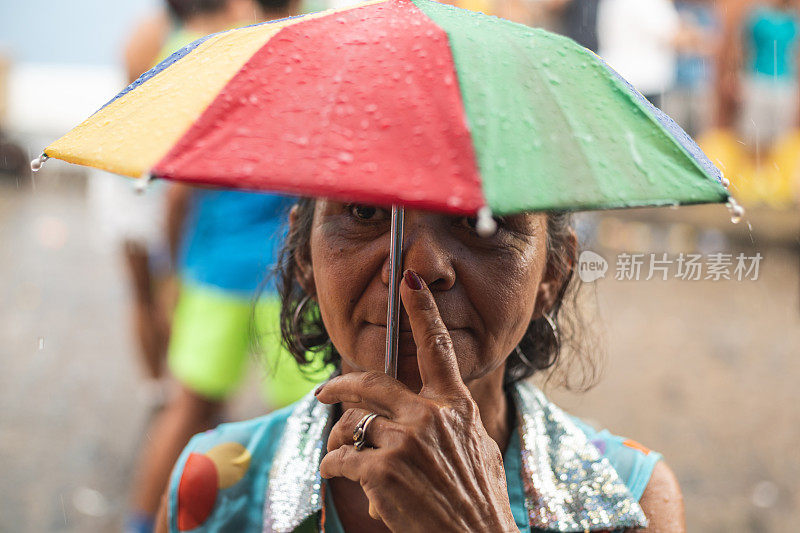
431,465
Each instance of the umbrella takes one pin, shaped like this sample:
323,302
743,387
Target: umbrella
401,103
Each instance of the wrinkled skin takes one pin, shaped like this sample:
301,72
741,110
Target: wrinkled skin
434,461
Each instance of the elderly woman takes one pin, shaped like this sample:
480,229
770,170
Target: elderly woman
460,441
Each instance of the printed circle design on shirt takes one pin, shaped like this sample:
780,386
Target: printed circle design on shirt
197,491
232,461
204,474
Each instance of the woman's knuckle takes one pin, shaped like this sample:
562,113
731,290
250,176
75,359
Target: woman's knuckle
438,339
371,379
349,419
470,409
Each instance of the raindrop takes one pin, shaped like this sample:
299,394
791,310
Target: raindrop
36,164
736,211
41,343
637,157
143,183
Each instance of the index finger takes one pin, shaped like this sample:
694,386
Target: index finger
374,391
436,357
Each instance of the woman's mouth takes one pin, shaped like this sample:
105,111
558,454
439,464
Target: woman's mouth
406,347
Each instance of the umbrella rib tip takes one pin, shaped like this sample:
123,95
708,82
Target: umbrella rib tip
36,164
486,226
143,182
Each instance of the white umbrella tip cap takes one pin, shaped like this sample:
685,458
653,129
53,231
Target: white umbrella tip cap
36,164
486,226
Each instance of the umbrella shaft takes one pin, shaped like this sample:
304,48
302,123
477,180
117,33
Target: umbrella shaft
396,268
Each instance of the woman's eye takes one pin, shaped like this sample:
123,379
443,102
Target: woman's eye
471,223
367,212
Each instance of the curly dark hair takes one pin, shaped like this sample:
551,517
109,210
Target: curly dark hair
304,334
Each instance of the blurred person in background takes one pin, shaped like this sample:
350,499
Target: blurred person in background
637,38
222,241
13,159
577,19
134,222
689,101
756,139
768,44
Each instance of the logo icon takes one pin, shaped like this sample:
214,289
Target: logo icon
591,266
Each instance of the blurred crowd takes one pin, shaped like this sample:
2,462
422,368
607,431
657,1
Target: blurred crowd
724,70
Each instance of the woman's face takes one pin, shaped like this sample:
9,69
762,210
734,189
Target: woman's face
487,289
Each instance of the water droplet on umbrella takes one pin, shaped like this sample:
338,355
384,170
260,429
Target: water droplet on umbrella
736,210
36,164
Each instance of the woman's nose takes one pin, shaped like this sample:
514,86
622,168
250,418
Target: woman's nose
425,251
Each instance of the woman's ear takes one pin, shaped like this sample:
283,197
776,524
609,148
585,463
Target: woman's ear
557,272
304,274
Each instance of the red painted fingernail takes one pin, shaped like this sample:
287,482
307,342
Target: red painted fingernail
319,389
412,280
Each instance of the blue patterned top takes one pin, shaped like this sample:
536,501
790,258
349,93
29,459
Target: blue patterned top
262,474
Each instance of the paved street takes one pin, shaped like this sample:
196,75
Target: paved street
705,372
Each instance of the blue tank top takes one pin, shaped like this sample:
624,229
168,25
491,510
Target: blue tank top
773,38
233,238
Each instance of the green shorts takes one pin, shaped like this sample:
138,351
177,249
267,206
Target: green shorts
213,335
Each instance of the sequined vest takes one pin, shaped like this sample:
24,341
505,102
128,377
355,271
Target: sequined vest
569,484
